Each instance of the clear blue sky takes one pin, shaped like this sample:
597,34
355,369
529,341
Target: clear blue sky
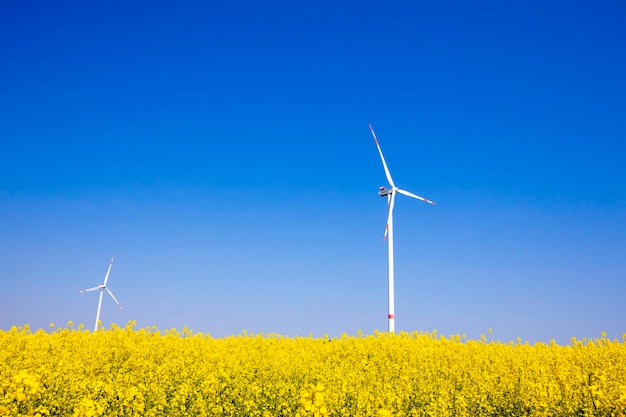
221,152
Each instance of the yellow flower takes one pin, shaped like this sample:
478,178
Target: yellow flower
145,372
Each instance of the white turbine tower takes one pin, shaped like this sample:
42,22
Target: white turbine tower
391,196
102,288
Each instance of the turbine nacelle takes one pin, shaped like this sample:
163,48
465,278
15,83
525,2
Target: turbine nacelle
383,192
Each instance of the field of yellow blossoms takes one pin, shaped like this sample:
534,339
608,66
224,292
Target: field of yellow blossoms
125,371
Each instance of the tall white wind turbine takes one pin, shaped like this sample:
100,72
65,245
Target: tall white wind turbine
102,288
391,196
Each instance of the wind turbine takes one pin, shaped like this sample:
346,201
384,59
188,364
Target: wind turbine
102,288
390,193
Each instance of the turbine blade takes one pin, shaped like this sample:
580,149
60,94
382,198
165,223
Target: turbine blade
387,173
391,198
91,289
108,271
408,194
114,299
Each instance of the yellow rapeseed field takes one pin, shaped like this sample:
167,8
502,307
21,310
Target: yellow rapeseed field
146,372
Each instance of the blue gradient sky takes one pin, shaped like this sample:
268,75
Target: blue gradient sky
220,151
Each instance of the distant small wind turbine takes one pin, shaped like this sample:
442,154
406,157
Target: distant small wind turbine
391,196
102,288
